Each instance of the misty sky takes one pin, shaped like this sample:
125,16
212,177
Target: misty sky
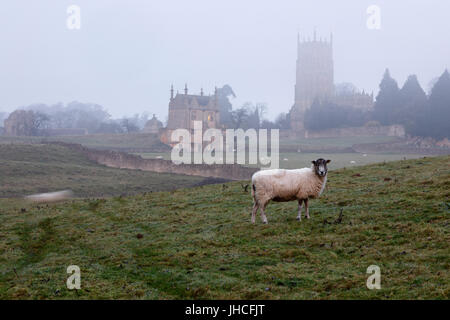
127,53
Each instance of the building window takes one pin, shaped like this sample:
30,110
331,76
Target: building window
193,117
210,117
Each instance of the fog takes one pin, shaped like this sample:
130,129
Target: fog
128,53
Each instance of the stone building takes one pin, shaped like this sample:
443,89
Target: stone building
315,80
186,108
153,125
358,100
20,123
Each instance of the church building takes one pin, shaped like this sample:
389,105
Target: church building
315,80
186,108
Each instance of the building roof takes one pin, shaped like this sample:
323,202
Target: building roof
193,101
153,122
201,100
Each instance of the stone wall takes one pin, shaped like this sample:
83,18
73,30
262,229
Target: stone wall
129,161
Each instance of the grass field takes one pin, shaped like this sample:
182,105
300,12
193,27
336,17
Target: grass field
149,143
335,142
149,146
294,160
290,158
27,169
132,142
199,243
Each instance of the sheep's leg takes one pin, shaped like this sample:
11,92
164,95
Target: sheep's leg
263,215
306,209
299,215
254,211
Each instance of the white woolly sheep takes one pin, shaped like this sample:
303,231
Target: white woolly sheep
282,185
50,197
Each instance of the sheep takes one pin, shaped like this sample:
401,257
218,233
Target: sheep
282,185
50,197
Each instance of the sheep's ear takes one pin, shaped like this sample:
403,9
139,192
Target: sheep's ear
313,162
328,161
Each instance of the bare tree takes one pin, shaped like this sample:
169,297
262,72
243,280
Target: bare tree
40,122
239,117
129,125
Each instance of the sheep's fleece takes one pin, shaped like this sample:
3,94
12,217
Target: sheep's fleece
287,185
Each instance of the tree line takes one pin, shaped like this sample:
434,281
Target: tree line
421,114
37,119
249,115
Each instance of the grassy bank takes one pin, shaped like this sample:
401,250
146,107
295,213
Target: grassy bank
27,169
199,243
131,142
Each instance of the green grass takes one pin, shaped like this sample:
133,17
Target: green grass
27,169
342,158
132,142
199,243
335,142
297,160
339,160
150,144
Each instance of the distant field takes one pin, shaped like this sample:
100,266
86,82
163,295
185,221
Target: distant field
149,143
339,160
26,169
300,160
303,158
199,243
149,146
133,142
336,142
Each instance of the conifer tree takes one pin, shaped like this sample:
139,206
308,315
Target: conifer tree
413,106
387,101
438,117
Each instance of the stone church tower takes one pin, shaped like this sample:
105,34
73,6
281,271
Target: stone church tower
314,76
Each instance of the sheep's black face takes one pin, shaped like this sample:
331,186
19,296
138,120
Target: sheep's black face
320,167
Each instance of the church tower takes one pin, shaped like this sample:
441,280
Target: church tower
314,76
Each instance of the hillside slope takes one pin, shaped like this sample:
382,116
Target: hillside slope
26,169
199,243
130,142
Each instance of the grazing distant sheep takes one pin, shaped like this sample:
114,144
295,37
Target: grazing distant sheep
286,185
50,197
